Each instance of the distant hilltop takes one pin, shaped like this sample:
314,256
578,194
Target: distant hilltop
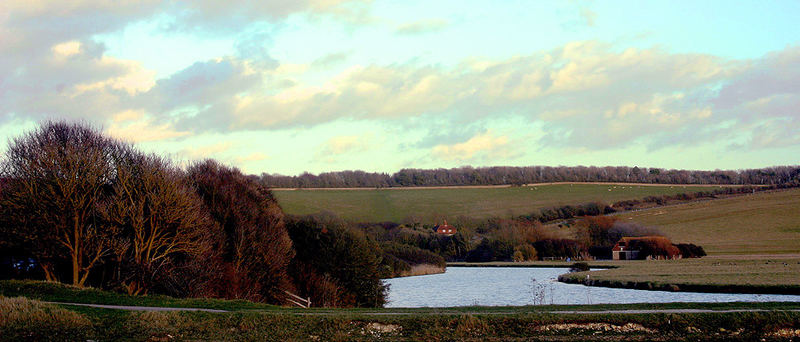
510,175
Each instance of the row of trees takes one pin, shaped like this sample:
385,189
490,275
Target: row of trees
534,174
83,208
523,239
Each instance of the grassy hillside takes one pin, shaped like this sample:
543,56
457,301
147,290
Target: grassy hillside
374,205
759,224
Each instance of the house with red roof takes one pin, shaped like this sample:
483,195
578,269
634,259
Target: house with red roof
445,229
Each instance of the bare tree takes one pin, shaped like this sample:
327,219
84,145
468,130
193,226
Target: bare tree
160,216
59,178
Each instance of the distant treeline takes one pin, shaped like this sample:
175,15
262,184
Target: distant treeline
502,175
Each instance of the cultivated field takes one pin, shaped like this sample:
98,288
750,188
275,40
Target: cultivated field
376,205
753,225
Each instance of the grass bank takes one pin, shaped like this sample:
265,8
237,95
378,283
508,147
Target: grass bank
423,269
23,319
765,276
26,320
58,292
379,205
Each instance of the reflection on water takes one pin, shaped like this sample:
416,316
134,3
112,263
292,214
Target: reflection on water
494,286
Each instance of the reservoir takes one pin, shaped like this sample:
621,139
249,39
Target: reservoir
515,286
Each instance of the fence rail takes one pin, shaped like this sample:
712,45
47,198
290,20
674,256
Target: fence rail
297,300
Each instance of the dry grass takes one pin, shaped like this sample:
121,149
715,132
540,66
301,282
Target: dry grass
777,272
759,224
423,269
22,319
379,205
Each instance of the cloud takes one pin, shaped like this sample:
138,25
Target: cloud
589,16
584,94
421,26
330,59
205,151
136,127
341,146
485,145
253,157
223,16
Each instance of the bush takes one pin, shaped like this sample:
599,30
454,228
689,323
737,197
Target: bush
579,267
327,246
557,248
413,255
601,252
689,250
252,240
656,247
524,252
491,250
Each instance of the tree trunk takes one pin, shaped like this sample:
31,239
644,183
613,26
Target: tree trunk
48,272
76,267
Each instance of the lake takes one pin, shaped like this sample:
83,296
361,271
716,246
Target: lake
500,286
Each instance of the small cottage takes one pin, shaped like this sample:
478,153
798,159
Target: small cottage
445,229
622,251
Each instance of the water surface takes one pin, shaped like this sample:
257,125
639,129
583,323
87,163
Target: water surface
496,286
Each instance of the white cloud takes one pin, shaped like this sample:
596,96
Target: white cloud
342,146
421,26
482,145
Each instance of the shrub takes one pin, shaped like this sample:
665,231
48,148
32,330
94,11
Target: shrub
327,246
524,252
579,267
557,248
689,250
413,255
253,242
656,247
491,250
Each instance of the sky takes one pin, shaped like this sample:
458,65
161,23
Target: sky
289,86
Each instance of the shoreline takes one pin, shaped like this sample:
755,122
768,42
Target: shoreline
534,264
579,278
682,287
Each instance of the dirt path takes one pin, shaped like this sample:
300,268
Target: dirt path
397,313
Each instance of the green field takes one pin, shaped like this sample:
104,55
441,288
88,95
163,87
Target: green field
759,224
377,205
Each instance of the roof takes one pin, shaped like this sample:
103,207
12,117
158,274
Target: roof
634,238
445,228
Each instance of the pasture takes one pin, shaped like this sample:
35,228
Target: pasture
433,204
760,224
